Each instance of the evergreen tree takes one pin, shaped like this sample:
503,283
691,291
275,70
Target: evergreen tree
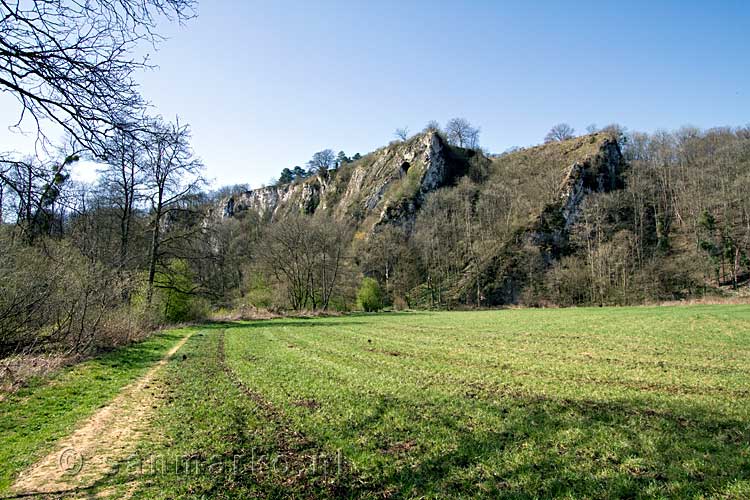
342,159
286,176
299,172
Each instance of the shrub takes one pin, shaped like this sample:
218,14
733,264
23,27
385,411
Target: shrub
370,296
58,299
400,303
258,292
173,295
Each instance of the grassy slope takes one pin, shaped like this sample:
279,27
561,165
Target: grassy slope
535,174
649,402
32,419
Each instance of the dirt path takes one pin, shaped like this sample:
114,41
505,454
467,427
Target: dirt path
106,438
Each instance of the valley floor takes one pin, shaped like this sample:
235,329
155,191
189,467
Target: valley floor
650,402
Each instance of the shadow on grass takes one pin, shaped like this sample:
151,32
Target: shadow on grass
551,448
540,447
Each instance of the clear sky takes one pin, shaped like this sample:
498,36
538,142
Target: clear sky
266,84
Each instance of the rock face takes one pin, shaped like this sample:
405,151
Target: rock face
386,186
589,164
596,168
598,173
268,200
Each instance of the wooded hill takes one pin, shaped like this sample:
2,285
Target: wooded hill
606,218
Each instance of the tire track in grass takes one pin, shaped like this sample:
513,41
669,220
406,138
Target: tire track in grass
295,450
82,459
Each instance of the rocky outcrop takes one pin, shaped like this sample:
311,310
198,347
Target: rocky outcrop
267,201
384,187
596,168
598,173
589,164
387,187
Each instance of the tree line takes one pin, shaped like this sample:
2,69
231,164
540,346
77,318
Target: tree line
85,266
88,266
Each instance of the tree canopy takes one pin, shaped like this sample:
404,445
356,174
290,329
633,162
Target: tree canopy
72,63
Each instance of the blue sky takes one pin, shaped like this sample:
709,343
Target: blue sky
266,84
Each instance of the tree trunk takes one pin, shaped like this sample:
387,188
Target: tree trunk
736,270
154,251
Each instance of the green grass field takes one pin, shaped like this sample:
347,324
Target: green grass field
572,403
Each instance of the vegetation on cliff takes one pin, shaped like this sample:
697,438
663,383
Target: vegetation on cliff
605,218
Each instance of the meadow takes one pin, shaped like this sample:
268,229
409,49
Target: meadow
642,402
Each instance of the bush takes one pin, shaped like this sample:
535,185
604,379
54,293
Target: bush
370,296
173,297
257,291
57,299
400,303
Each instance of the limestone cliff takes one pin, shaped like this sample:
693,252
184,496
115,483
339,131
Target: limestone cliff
597,172
543,187
553,180
386,186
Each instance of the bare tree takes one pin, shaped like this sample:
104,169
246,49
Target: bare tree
560,132
322,161
330,243
123,182
71,62
284,255
35,188
432,126
172,174
388,256
618,131
402,133
305,257
461,133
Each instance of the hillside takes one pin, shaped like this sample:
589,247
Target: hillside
389,188
550,183
605,218
389,184
385,186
